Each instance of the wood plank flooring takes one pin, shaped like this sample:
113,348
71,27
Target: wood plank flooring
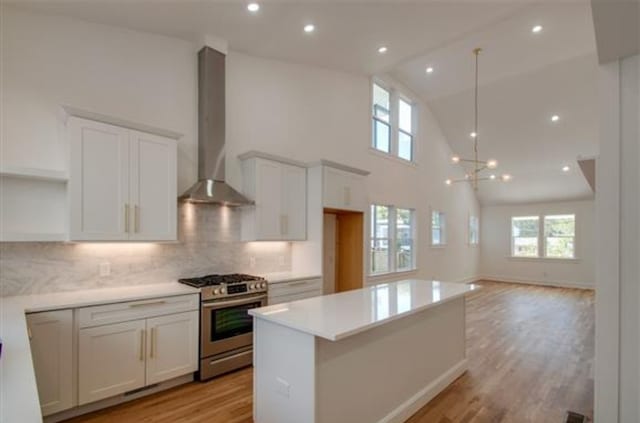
530,352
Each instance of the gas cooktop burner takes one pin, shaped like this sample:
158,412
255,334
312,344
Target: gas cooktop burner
213,280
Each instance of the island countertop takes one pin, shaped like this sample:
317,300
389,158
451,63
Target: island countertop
337,316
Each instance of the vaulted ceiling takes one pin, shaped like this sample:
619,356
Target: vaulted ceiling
525,77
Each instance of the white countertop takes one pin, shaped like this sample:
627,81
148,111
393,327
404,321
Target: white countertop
337,316
19,401
289,276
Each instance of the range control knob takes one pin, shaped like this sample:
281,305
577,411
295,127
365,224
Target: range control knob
252,286
223,290
216,291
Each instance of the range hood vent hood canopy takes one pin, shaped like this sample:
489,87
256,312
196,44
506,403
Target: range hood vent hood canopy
211,186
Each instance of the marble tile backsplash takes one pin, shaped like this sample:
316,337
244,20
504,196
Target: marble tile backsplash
209,242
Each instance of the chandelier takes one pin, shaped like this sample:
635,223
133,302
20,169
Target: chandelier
478,167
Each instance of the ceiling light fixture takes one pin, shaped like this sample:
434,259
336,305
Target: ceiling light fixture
382,49
536,29
309,28
566,168
429,69
555,118
474,175
253,7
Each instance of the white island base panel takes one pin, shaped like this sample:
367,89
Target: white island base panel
384,374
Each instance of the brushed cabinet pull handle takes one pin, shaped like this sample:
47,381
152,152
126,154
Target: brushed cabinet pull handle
141,356
126,218
136,218
153,343
148,303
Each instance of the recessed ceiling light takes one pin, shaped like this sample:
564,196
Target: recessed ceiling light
429,69
536,29
253,7
455,159
382,49
492,164
566,168
555,118
448,182
492,176
473,135
309,28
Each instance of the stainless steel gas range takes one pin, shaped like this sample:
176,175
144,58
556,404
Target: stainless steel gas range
226,329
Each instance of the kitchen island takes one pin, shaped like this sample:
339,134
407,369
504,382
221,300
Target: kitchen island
376,354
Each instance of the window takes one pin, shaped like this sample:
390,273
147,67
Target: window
392,245
405,129
381,119
550,236
393,123
524,236
438,228
474,230
404,240
559,236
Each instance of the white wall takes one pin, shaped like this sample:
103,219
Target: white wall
495,243
617,342
52,61
308,113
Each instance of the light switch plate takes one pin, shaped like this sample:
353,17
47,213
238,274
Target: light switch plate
282,387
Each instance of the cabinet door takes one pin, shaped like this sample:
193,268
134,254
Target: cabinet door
294,206
153,195
51,349
98,181
268,197
111,360
172,346
343,190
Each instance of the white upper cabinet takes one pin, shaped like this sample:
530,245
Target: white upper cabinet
343,190
280,193
122,184
153,193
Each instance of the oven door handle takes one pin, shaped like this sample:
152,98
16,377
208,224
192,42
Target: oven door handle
222,304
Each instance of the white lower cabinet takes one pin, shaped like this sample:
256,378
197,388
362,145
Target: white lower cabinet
51,335
111,360
283,292
172,346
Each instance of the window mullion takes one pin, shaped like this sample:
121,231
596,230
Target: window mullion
392,239
394,120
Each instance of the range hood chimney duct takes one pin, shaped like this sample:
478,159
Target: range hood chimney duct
211,186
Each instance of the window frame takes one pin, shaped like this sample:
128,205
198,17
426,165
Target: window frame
395,96
542,238
442,217
392,240
537,217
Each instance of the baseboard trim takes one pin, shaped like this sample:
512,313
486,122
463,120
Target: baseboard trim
470,279
557,284
426,394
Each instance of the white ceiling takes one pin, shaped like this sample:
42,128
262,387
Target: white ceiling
525,77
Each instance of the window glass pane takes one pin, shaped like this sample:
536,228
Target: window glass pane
437,228
405,142
524,234
559,234
380,102
379,259
381,136
404,239
474,230
404,115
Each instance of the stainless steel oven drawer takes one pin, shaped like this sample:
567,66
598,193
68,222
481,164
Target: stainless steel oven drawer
210,367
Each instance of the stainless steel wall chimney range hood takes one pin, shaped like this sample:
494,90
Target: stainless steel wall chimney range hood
211,186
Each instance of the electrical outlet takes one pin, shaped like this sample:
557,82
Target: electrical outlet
252,262
104,269
282,387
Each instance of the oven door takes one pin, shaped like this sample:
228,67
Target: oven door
227,325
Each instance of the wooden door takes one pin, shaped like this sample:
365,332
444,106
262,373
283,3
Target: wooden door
153,195
111,360
350,268
51,335
172,346
98,181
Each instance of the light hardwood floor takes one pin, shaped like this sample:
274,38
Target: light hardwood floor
530,353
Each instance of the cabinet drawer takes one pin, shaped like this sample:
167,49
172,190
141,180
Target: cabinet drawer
294,297
293,287
121,312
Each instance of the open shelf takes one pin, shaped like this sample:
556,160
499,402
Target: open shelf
34,174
